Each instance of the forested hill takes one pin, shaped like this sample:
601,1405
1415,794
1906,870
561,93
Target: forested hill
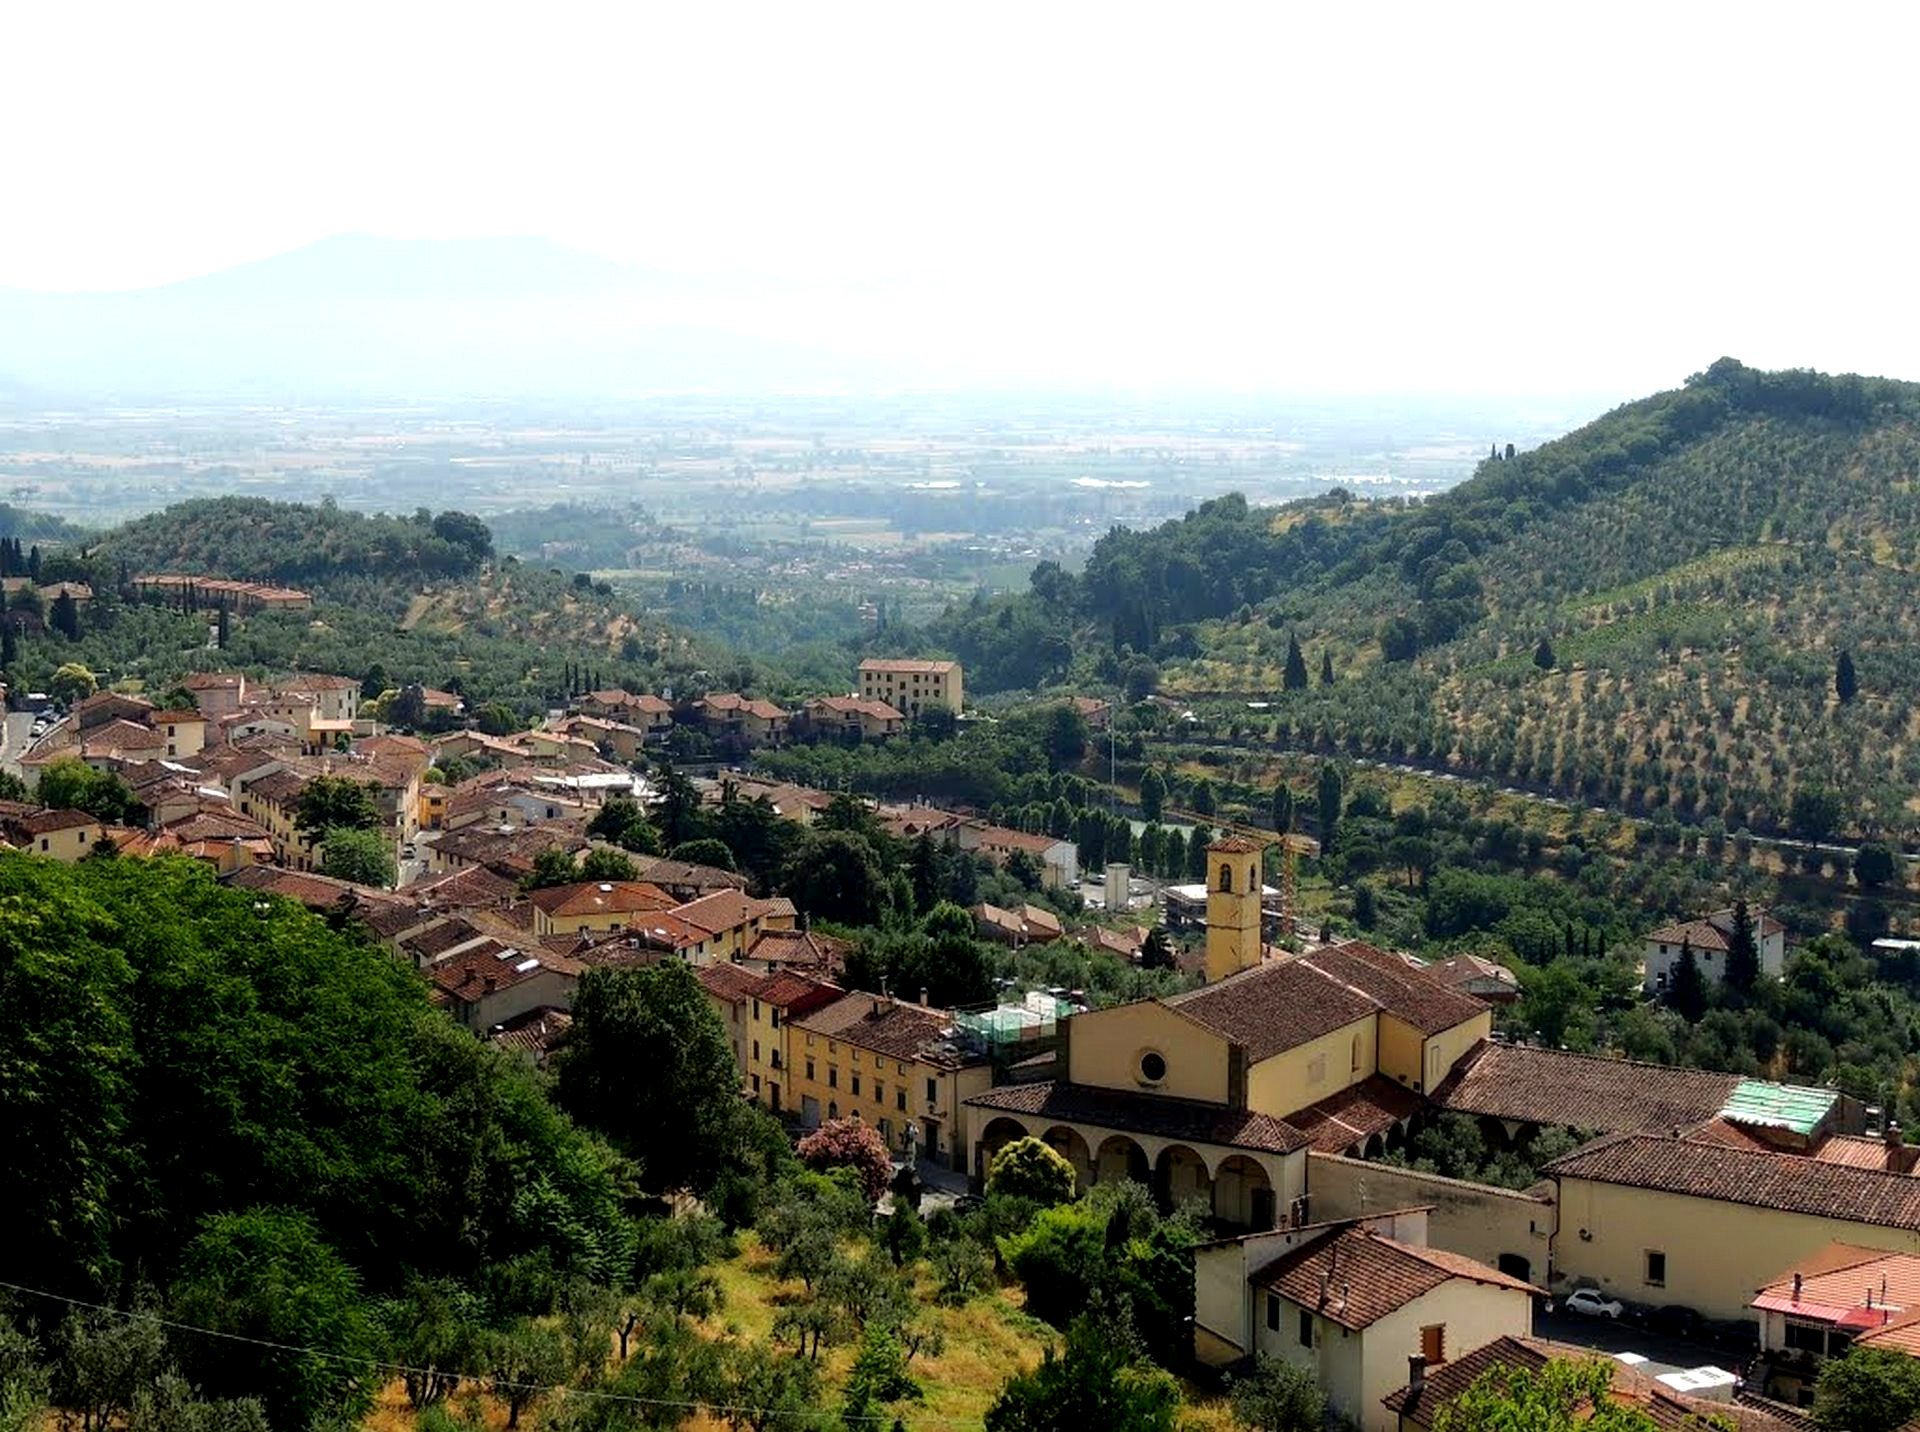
1647,611
255,539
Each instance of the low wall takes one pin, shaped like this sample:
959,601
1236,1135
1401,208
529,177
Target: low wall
1472,1219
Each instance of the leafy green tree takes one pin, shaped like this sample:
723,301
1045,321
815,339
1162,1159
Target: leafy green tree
1814,812
170,1404
835,875
603,864
64,616
1096,1381
1066,737
103,1361
1028,1168
72,683
1875,865
1153,794
1203,799
337,803
71,784
268,1275
1283,807
1563,1396
879,1375
904,1234
1868,1390
1294,677
1846,684
9,645
1687,990
1326,668
524,1358
551,867
496,718
1543,656
361,856
435,1329
705,851
674,1112
768,1391
1156,951
1275,1396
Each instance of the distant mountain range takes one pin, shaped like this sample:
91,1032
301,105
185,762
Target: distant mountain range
400,318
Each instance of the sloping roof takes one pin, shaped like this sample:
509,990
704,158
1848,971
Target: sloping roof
1355,1277
1668,1411
887,1026
1711,932
730,909
1583,1091
1463,969
601,897
1234,845
1866,1290
1190,1121
728,981
1405,990
1356,1113
1785,1182
805,948
48,822
1275,1006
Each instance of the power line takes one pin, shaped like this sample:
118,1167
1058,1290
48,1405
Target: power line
402,1369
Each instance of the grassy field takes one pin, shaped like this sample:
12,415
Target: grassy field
986,1342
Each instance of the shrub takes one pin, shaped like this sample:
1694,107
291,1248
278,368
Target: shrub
849,1143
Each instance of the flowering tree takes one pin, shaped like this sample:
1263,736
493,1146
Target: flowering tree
849,1143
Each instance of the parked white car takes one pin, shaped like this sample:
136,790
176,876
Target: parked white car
1589,1303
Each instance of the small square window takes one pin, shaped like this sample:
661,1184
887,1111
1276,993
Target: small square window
1433,1343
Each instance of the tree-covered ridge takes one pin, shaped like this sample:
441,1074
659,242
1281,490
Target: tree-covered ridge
172,1050
31,526
1650,611
252,538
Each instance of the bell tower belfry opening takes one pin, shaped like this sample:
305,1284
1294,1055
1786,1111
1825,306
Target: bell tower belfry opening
1233,907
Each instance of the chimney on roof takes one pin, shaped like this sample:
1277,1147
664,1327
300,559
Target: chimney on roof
1416,1375
1895,1136
1797,1280
923,996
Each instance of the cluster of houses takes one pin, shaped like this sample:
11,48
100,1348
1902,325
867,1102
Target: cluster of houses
1265,1097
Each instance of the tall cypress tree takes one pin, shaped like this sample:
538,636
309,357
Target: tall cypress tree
1743,953
1846,685
220,629
1687,992
9,645
1326,668
1330,798
1296,673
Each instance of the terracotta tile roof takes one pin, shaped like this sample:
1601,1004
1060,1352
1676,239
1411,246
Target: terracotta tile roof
1355,1277
492,966
472,887
47,822
316,892
1275,1006
1189,1121
430,944
535,1034
1711,932
511,850
1583,1091
171,717
1001,837
796,993
601,897
1356,1113
682,876
728,981
886,1026
318,681
216,825
1235,845
212,681
1407,991
1784,1182
1462,969
1667,1410
1868,1291
282,788
731,909
803,948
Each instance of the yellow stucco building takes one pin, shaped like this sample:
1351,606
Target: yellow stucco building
1217,1094
912,687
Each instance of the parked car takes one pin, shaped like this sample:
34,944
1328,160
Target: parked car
1675,1321
1589,1303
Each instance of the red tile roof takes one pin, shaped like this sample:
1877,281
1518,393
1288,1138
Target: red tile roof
1190,1121
1354,1115
601,897
907,665
1582,1091
1275,1006
1787,1183
886,1026
1355,1277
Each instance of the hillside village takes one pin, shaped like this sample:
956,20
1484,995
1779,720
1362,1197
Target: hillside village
1273,1093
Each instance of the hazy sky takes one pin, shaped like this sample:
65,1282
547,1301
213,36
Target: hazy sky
1535,198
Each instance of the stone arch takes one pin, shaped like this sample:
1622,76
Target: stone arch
1226,878
996,1136
1376,1146
1243,1195
1118,1159
1180,1175
1072,1146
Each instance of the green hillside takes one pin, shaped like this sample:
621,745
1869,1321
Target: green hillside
1696,561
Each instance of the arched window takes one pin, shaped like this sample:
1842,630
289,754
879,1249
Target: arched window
1226,880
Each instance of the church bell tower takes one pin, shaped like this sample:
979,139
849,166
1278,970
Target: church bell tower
1233,907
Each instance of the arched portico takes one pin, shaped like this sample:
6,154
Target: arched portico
1072,1146
1243,1194
1120,1159
994,1137
1180,1177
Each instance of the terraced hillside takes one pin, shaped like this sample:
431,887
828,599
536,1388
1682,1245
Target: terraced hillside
1648,612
